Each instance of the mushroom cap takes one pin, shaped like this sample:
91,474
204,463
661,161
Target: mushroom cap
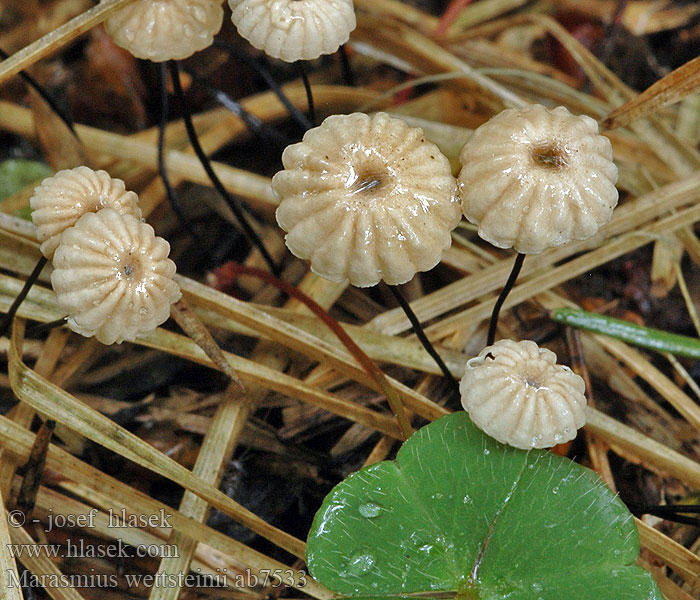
294,29
160,30
113,277
59,201
535,178
517,393
366,199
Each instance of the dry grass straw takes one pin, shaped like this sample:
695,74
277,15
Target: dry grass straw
58,38
8,567
60,406
658,168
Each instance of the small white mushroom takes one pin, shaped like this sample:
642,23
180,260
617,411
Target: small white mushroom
294,29
160,30
59,201
366,199
517,393
535,178
113,277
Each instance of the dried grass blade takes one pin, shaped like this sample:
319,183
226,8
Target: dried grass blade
102,490
626,441
8,567
296,338
678,557
59,405
207,560
183,314
42,567
369,366
670,89
259,374
216,450
58,38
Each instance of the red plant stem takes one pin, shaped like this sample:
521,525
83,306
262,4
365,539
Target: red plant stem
365,361
450,16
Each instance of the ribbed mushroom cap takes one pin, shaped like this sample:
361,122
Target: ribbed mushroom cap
535,178
294,29
160,30
366,199
113,277
59,201
517,393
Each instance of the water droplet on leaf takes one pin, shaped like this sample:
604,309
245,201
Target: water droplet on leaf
359,564
370,510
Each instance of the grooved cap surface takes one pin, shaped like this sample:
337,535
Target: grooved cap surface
535,178
113,277
366,199
59,201
294,29
160,30
517,393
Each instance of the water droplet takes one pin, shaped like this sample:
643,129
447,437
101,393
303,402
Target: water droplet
531,466
370,510
537,587
359,564
555,490
467,499
487,451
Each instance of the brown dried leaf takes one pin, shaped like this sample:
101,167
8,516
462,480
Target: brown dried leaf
673,88
62,149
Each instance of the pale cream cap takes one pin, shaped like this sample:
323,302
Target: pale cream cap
59,201
160,30
113,277
517,393
366,199
294,29
535,178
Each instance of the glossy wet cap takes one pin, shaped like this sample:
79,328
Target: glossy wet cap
535,178
113,277
294,30
518,394
160,30
59,201
366,199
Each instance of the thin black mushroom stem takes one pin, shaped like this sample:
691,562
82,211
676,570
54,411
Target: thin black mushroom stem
670,512
29,80
235,206
269,80
41,263
423,338
307,88
346,66
170,192
14,307
493,323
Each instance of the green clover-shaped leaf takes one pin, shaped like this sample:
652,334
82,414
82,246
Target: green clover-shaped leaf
458,512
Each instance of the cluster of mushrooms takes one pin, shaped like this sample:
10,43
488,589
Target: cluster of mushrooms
362,198
366,199
112,274
289,30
